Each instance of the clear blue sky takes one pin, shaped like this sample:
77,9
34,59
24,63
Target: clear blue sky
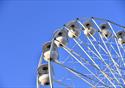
26,24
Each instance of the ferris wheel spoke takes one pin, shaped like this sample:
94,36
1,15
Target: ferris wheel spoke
81,42
104,79
101,45
86,53
94,62
115,50
101,74
122,48
101,58
91,59
80,75
109,23
100,55
89,69
96,66
120,84
117,44
69,55
96,55
115,63
94,38
76,74
110,69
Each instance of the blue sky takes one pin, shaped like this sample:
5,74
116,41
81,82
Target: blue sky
26,24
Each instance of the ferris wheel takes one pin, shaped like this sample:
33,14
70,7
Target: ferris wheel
84,53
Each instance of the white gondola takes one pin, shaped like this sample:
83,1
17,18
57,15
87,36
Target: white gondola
121,37
61,38
105,30
89,29
74,29
46,52
43,76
